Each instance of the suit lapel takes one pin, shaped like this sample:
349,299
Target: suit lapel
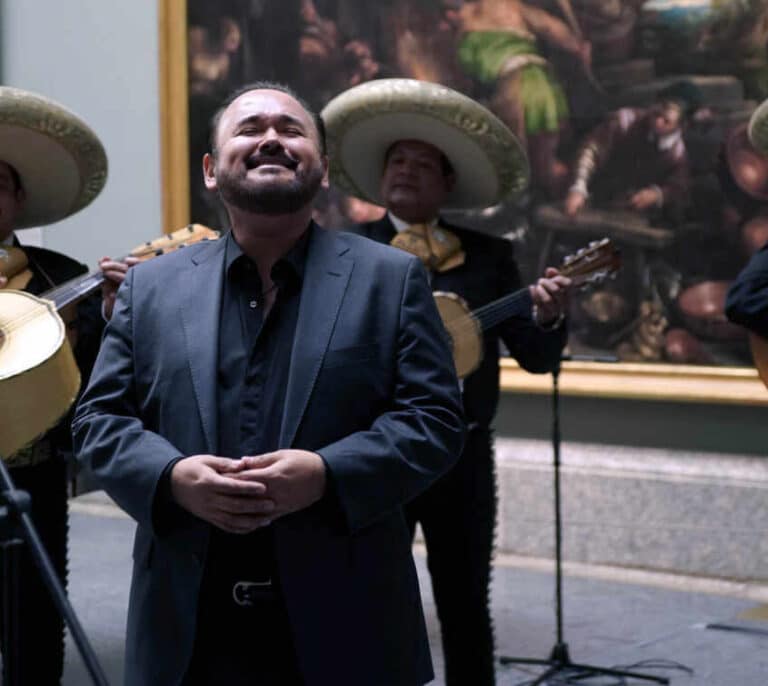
326,276
200,312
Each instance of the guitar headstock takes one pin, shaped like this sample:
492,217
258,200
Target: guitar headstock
592,264
189,235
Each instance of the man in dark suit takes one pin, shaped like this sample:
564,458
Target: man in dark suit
264,408
51,165
415,170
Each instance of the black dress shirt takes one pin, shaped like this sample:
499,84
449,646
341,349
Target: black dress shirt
254,358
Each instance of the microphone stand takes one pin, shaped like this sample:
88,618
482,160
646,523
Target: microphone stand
16,529
559,658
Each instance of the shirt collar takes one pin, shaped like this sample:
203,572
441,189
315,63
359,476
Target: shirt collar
289,265
402,225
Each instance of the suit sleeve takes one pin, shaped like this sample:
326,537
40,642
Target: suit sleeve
421,433
536,350
747,301
110,440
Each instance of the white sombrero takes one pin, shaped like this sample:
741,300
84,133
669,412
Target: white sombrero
61,162
364,121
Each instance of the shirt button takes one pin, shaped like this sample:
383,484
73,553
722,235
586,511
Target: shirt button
253,304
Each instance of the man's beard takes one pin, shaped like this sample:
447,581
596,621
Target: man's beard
271,198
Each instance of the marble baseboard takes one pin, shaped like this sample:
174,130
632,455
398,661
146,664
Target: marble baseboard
691,513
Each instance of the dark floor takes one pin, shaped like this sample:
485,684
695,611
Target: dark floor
607,622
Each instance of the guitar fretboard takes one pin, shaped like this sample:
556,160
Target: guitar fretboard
75,289
517,304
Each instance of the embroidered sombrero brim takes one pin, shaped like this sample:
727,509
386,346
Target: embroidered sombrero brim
61,162
758,128
363,122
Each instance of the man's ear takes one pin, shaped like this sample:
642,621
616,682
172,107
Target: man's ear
209,171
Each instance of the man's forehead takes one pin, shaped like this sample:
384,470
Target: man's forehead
266,102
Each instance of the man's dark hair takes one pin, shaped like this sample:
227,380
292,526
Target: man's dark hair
445,164
259,86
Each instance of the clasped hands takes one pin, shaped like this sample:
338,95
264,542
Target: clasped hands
240,496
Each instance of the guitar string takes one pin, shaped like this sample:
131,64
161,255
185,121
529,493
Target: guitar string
494,313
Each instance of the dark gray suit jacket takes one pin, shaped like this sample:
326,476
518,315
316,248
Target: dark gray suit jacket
371,388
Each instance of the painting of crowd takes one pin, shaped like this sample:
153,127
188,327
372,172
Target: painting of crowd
633,114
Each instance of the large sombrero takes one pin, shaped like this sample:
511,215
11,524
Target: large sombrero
61,162
364,121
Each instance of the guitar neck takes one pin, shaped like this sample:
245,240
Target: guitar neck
75,289
517,304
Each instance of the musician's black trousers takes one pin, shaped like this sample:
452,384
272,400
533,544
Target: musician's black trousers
41,628
458,516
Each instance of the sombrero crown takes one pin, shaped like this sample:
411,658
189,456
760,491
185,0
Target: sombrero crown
363,122
60,160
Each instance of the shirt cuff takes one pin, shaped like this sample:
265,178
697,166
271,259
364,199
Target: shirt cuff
165,511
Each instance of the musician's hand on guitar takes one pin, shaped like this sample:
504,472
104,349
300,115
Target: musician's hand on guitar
550,297
114,274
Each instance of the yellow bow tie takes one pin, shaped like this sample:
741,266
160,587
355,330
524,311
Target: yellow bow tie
438,248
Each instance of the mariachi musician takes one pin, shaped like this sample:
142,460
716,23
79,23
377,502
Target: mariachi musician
51,166
418,148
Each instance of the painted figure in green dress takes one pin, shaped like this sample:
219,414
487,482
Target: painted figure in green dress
498,48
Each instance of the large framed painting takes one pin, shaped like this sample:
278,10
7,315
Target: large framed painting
633,115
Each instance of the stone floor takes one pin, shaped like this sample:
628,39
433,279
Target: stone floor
612,616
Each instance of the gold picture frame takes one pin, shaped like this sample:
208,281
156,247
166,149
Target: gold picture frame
647,381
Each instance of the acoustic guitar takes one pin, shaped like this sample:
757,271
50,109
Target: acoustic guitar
465,328
39,379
